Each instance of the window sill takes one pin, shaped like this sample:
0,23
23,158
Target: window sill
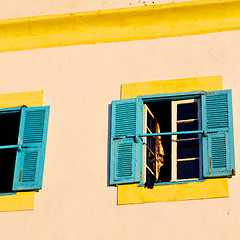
192,190
17,201
176,182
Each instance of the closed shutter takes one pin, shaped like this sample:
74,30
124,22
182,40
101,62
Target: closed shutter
30,157
218,142
124,159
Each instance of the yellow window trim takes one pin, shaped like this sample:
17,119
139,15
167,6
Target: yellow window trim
117,25
20,200
211,188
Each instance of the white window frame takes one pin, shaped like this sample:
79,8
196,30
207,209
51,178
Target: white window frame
174,159
146,110
174,138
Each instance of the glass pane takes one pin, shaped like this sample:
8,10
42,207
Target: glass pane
9,128
150,123
189,126
187,111
188,149
188,169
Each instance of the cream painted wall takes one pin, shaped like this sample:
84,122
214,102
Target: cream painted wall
79,83
29,8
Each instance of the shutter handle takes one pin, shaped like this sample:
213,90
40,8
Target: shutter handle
134,137
205,134
20,146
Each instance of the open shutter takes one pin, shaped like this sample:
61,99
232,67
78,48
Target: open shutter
218,142
32,138
124,159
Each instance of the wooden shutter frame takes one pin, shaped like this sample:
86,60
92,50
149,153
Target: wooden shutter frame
214,132
128,138
24,148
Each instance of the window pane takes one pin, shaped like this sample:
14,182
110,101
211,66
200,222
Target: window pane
187,111
188,169
188,149
150,123
7,164
9,128
189,126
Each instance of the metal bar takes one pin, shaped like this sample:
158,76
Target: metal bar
8,146
187,120
150,151
150,112
185,139
149,129
150,170
169,133
187,159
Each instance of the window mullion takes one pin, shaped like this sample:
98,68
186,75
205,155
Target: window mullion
174,141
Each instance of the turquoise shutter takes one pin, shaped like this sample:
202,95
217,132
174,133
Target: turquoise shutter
124,159
218,142
32,138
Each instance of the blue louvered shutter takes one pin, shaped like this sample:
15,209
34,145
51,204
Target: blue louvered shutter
30,157
218,142
124,159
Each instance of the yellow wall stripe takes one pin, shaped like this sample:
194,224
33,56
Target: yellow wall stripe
126,24
31,99
132,90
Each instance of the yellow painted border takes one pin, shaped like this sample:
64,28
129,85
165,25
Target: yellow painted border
20,200
132,194
116,25
211,188
132,90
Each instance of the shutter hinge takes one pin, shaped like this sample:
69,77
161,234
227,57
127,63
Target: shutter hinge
233,172
20,177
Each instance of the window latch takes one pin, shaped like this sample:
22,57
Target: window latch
134,137
22,146
205,134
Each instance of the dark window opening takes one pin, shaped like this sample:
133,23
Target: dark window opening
181,156
7,165
162,113
9,128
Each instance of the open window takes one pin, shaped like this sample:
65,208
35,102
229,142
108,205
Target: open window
172,138
22,148
172,157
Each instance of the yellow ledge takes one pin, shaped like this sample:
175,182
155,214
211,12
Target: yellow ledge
20,200
211,188
116,25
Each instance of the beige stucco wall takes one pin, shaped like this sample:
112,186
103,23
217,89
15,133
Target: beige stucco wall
79,83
